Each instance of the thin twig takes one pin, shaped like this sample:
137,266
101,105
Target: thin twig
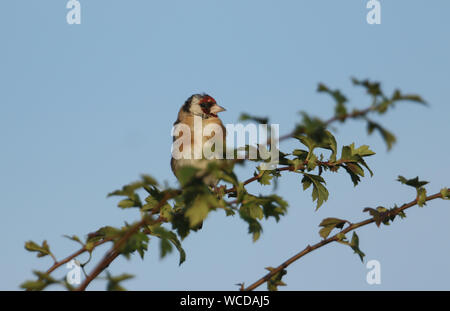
57,264
355,114
111,255
324,242
352,115
292,168
115,250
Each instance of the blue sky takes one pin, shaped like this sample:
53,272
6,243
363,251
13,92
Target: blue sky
87,108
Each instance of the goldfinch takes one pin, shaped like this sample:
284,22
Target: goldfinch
198,113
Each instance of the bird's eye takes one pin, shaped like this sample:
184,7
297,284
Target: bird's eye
203,105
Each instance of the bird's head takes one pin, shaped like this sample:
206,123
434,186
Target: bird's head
202,105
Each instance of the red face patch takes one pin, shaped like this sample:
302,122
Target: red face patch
206,103
208,99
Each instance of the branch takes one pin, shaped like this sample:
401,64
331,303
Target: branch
57,264
115,250
324,242
292,168
353,115
147,219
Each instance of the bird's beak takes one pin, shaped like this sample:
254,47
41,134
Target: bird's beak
216,109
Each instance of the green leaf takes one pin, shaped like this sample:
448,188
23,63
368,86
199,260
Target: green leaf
181,224
297,164
336,94
409,97
384,215
252,210
341,237
300,154
362,151
350,153
414,182
41,283
137,242
104,232
240,189
421,197
381,215
228,176
321,138
152,202
276,279
339,98
42,250
166,212
372,88
89,246
357,155
265,176
384,105
388,137
354,244
445,193
127,203
329,142
355,168
199,209
329,224
114,282
254,227
319,193
313,128
312,162
167,239
273,206
308,142
33,285
130,189
355,178
74,238
148,180
418,184
346,153
186,174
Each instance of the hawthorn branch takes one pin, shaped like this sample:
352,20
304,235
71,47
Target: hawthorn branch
112,254
292,168
308,249
82,250
352,115
147,219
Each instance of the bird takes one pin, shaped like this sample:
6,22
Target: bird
206,109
